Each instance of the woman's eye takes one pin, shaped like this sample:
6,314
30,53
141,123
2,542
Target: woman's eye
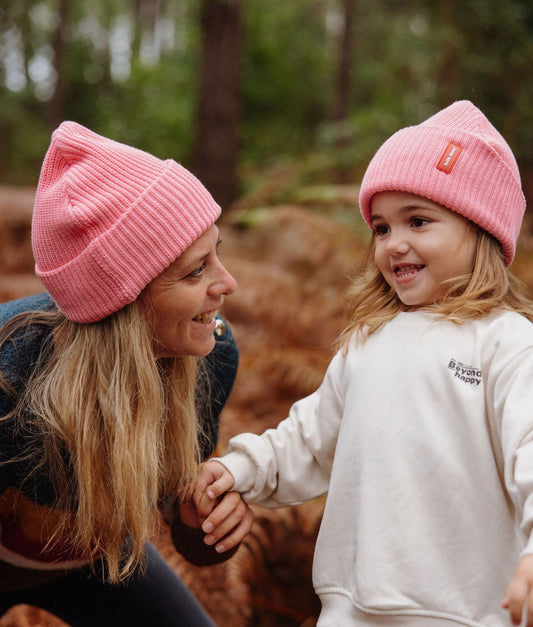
198,272
381,229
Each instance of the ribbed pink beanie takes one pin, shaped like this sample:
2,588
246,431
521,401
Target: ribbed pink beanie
459,160
108,218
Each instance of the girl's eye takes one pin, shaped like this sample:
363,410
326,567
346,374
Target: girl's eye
381,229
418,222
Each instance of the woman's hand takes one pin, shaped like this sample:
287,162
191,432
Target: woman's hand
229,522
224,516
520,592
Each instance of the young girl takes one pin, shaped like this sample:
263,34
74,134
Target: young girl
422,430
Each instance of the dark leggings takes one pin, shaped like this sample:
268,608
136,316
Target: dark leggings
158,598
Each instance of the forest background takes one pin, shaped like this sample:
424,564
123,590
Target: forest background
277,105
235,88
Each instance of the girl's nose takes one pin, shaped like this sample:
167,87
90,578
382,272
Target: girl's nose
397,243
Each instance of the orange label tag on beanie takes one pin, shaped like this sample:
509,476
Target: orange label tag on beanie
449,157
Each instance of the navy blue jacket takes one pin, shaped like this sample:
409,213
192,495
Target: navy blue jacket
18,359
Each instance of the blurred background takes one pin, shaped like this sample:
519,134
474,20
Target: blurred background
277,106
232,88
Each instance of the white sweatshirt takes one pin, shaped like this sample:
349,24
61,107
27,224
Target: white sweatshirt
423,438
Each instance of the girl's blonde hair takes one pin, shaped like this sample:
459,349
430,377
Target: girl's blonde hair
125,422
371,302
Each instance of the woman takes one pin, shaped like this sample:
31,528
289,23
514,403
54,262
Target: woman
106,407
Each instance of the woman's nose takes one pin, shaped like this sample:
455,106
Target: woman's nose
225,283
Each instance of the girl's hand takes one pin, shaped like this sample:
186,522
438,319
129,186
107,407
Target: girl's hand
212,482
520,592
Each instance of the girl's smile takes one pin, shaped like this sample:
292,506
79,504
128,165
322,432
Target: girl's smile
419,244
405,273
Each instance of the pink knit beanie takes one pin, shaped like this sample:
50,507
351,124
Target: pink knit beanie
108,219
456,158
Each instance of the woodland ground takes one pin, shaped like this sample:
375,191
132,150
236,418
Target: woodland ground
292,262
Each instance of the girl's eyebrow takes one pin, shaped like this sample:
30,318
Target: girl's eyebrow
406,209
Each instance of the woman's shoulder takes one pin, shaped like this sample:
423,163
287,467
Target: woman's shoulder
35,302
19,353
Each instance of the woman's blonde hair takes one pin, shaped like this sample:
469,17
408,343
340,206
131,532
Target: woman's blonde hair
125,422
490,285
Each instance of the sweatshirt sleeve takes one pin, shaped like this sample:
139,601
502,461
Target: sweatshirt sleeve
292,463
513,404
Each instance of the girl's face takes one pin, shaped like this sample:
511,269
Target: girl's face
418,245
182,301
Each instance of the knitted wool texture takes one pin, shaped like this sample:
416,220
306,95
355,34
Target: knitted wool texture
457,159
108,218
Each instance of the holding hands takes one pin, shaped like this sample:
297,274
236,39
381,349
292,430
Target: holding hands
222,515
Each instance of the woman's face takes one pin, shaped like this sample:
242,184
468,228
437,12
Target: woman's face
183,300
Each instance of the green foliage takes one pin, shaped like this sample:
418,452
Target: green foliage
420,56
153,110
25,137
287,77
410,58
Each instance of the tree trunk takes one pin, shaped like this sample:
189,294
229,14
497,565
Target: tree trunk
215,154
344,62
57,101
343,85
145,14
450,66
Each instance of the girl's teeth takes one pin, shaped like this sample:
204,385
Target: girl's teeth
407,269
